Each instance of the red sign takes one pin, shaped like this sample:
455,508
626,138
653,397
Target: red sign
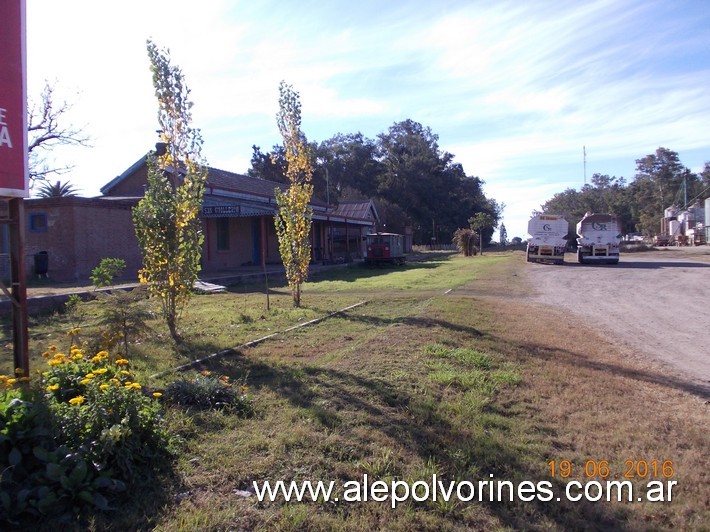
14,180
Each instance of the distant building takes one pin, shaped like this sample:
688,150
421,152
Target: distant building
238,212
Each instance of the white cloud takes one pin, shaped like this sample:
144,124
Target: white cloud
514,90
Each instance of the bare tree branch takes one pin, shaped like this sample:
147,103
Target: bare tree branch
45,132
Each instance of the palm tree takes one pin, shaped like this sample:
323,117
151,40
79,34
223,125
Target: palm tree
57,190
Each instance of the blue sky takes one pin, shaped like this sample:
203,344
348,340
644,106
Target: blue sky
513,89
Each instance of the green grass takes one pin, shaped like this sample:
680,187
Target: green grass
415,382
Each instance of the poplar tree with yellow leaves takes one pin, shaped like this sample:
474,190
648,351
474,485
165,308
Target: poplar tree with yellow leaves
293,221
167,220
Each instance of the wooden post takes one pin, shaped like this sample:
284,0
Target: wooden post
19,287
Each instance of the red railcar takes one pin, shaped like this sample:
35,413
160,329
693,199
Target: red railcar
384,248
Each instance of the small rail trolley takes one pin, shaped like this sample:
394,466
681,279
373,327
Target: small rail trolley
384,248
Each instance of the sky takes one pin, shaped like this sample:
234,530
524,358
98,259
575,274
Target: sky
516,91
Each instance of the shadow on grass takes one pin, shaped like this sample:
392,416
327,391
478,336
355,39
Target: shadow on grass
576,359
415,321
342,400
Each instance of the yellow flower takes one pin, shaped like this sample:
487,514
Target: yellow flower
132,385
19,371
115,381
78,400
77,356
52,387
124,372
24,379
100,371
206,373
90,375
52,347
157,394
101,355
122,362
11,381
85,381
104,387
73,332
46,354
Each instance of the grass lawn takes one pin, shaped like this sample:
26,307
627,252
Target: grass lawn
446,370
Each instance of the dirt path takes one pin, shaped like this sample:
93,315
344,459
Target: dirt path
654,304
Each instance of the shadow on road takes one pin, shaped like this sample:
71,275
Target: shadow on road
642,265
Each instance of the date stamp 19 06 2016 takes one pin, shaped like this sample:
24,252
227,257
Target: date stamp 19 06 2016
632,469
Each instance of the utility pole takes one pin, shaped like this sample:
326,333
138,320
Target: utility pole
584,151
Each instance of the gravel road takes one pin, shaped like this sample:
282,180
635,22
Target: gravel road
655,303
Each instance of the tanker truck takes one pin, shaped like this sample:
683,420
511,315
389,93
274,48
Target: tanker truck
548,238
599,238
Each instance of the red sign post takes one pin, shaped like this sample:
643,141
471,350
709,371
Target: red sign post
13,101
14,180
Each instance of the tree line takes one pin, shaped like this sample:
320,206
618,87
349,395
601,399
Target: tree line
661,181
410,179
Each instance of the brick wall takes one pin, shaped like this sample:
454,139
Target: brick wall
79,233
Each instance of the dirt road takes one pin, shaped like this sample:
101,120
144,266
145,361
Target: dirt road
653,304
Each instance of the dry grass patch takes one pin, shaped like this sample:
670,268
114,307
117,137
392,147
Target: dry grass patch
596,401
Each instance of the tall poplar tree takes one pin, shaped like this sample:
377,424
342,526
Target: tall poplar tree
293,221
167,220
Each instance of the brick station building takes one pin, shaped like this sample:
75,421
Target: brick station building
70,235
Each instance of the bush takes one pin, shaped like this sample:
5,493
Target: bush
207,391
107,270
78,436
465,241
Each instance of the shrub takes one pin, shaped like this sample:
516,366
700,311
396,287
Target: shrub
107,270
465,240
75,438
208,391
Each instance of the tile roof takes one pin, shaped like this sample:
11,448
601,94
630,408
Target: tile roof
355,209
218,179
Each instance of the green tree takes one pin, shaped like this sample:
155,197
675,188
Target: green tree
482,221
403,171
604,194
348,166
268,166
56,190
661,180
293,222
167,220
426,183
